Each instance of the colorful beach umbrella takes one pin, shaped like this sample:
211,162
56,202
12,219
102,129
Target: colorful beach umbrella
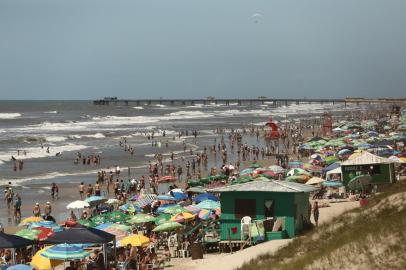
193,209
335,184
28,234
141,218
175,209
130,208
87,222
168,226
117,216
47,224
164,197
183,217
29,220
65,252
162,218
41,263
179,196
208,204
135,240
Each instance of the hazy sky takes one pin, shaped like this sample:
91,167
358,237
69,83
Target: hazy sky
81,49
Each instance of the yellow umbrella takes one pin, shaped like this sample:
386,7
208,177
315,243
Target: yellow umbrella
355,155
31,220
403,159
135,240
41,263
183,217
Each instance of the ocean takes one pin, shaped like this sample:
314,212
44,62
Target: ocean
69,127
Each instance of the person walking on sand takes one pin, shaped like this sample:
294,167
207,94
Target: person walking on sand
17,207
316,213
81,190
37,210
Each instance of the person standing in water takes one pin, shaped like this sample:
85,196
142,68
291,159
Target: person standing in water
81,190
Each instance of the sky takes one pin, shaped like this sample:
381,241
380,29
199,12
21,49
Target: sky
90,49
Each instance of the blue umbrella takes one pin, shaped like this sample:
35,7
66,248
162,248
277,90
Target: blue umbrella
46,224
20,267
165,198
344,152
103,226
95,200
179,196
65,252
205,196
129,207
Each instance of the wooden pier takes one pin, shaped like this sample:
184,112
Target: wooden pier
241,102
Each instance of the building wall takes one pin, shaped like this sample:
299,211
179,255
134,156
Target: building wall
285,204
385,176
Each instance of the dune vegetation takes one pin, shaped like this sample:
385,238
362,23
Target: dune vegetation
371,237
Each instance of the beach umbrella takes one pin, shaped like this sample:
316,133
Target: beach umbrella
196,190
269,174
28,234
359,182
182,217
165,198
78,205
205,214
162,218
276,169
330,160
117,216
112,201
44,233
47,224
335,184
344,152
141,218
129,207
145,200
99,219
20,267
119,234
192,209
65,252
255,165
179,196
208,204
396,159
297,178
168,226
315,181
295,164
135,240
175,209
86,222
41,263
95,200
297,171
30,220
247,171
205,196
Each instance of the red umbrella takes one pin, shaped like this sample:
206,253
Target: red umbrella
45,233
167,178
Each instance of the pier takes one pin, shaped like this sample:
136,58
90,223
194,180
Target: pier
241,102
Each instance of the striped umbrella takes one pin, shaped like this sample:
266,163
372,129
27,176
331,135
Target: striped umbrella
28,234
65,252
145,200
47,224
29,220
42,263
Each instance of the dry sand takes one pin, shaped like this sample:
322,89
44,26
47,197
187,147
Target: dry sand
227,261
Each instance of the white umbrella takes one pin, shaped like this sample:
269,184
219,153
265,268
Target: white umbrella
315,181
112,201
77,205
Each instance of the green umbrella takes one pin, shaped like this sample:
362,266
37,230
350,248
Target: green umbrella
173,210
162,218
87,223
141,218
255,165
117,216
330,160
168,226
100,219
28,234
359,182
208,204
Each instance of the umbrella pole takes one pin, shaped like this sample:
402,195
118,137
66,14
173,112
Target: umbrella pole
114,251
14,255
105,255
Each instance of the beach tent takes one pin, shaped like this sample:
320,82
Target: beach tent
330,167
13,241
335,171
